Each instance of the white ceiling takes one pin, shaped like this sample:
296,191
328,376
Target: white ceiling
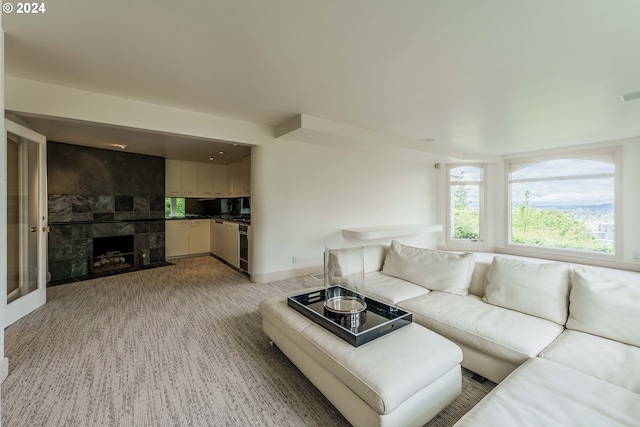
490,76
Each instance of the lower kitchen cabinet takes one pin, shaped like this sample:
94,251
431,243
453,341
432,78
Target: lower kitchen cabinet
217,234
176,238
199,242
186,237
231,243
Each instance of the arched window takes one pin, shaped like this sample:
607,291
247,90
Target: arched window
566,203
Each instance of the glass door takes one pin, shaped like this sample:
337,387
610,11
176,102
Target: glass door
26,222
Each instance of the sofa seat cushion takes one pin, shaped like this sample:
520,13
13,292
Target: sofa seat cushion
506,334
608,360
390,289
545,393
383,379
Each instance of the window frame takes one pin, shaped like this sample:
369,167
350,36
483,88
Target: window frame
562,253
482,209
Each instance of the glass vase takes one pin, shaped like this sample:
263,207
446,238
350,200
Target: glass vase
344,285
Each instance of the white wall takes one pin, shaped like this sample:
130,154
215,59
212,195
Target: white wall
299,202
305,194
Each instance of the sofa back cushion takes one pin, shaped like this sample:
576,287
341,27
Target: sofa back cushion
374,256
431,269
605,307
541,290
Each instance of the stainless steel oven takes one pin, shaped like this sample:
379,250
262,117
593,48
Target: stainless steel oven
244,248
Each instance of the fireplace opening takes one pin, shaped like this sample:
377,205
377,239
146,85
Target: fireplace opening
112,254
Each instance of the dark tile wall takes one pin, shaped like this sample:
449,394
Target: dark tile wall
101,193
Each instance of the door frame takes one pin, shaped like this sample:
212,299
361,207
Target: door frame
28,303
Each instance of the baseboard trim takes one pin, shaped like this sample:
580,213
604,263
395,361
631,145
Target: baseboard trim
4,369
285,274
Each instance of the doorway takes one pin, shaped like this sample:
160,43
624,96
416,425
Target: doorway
26,221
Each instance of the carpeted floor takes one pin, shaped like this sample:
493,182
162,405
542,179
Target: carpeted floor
180,345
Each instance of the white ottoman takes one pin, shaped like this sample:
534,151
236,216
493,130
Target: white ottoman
401,379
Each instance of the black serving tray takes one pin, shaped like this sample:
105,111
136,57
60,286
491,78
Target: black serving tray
378,319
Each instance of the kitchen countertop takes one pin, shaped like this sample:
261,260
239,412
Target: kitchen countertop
240,220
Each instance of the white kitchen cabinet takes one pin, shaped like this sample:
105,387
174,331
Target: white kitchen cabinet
176,238
231,242
239,177
219,182
199,236
234,174
189,179
245,177
212,236
173,178
205,180
218,243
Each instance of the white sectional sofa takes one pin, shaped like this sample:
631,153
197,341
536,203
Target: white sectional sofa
563,340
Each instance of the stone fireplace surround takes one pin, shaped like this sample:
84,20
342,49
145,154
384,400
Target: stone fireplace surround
95,193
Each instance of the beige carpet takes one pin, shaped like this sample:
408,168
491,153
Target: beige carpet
174,346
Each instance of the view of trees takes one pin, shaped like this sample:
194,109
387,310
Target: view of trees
552,228
179,206
563,203
466,220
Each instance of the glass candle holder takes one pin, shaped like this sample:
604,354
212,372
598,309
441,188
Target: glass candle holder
344,285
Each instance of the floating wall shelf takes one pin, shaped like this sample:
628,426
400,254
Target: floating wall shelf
386,231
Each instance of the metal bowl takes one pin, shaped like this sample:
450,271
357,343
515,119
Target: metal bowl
349,312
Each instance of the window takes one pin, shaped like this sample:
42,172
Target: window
564,203
174,206
465,202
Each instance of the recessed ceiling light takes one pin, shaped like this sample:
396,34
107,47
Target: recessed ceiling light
235,145
220,152
630,96
211,158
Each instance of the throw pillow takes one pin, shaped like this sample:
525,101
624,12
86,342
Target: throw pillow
541,290
431,269
605,307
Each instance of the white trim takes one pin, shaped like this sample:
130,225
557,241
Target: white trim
285,274
27,303
564,178
575,259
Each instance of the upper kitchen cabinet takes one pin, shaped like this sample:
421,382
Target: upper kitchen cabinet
219,183
173,178
233,176
208,180
246,176
239,177
190,179
205,180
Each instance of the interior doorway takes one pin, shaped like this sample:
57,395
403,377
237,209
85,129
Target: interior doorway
26,221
